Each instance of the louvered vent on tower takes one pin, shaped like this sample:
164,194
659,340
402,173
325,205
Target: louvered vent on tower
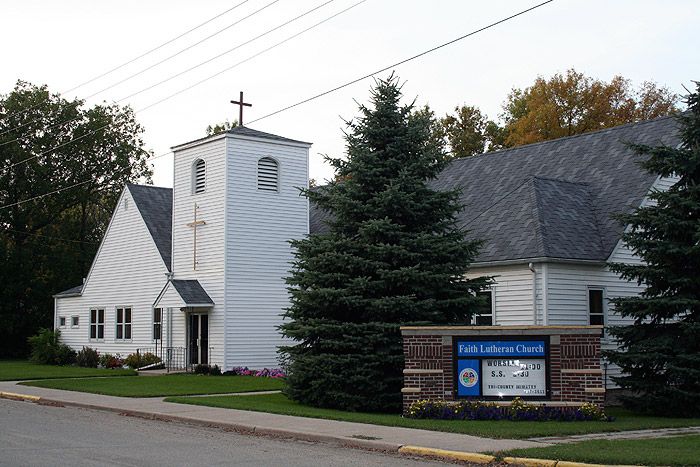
199,179
268,174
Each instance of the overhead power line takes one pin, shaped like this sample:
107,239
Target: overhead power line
394,65
92,132
129,62
48,236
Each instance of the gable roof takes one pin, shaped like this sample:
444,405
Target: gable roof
245,131
192,292
554,199
72,292
156,207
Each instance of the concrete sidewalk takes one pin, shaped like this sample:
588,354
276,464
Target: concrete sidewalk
383,438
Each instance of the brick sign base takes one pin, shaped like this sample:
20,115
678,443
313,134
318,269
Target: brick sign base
574,372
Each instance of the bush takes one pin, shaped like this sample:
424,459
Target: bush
88,358
264,373
137,360
46,348
207,370
111,361
519,410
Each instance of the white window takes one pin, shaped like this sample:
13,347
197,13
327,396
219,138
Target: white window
268,174
157,324
485,311
596,307
74,321
198,176
97,323
123,324
62,321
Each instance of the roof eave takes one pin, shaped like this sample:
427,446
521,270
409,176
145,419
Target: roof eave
540,259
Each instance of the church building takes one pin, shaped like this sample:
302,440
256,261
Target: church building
199,270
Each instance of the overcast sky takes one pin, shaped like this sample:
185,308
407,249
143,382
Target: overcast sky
64,43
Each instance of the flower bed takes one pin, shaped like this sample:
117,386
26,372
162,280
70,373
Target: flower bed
518,410
264,373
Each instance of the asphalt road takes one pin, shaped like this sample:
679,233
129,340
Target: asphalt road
32,434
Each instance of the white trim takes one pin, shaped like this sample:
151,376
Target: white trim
539,259
97,323
75,326
193,176
124,323
191,144
604,304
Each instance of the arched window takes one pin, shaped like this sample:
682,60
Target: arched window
268,174
198,176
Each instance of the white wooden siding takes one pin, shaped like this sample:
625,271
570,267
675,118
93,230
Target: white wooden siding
210,237
127,271
512,293
259,226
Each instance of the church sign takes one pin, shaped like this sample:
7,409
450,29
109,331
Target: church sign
502,368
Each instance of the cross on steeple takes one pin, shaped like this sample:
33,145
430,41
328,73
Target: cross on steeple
240,105
194,225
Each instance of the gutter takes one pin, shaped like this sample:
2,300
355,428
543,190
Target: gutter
539,259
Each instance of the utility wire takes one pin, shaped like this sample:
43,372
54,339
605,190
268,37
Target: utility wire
185,89
45,194
129,62
182,72
394,65
145,69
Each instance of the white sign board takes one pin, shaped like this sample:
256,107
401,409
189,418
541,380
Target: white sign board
514,377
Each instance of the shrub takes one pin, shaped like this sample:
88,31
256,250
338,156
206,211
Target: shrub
519,410
137,360
207,370
88,357
264,373
47,349
111,361
215,370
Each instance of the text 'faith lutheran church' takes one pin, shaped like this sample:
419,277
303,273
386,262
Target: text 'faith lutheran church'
196,273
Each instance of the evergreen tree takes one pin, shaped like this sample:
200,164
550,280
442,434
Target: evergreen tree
660,352
393,256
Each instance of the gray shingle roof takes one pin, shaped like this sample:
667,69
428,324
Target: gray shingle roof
245,131
77,290
192,292
156,207
552,199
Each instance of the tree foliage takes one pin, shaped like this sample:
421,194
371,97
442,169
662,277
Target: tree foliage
469,132
573,103
221,127
47,244
393,255
660,353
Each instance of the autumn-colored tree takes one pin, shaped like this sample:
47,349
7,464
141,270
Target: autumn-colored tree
573,103
468,132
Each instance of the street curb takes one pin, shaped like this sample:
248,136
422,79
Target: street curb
371,445
471,457
476,458
19,397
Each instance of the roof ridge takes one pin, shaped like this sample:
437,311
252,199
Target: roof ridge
540,230
145,185
602,130
561,180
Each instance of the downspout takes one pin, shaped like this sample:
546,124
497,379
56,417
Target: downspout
534,292
545,294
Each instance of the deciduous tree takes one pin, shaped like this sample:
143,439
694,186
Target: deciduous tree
48,143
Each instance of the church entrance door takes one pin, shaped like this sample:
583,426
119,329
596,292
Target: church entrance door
198,338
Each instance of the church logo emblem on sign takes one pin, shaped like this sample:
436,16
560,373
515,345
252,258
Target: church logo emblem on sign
468,377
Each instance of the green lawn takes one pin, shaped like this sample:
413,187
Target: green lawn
16,370
278,403
165,385
677,450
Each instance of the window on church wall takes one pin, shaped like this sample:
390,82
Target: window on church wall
157,324
485,310
199,176
123,330
596,307
268,174
97,323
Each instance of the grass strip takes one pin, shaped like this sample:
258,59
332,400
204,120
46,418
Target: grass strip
164,385
280,404
19,370
676,450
